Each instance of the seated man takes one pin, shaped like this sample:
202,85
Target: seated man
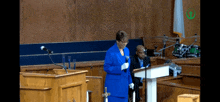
139,60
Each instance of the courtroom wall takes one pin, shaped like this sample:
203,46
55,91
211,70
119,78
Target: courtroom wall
45,21
192,26
161,14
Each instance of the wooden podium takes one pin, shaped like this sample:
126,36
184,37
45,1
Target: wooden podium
54,86
152,73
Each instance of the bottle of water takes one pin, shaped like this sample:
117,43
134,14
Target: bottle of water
174,73
69,58
63,59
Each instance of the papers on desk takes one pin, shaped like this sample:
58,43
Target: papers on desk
143,67
146,66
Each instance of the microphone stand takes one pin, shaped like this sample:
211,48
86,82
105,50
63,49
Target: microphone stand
49,52
145,84
58,64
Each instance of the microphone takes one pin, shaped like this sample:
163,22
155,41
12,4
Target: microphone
49,52
145,51
147,65
127,57
45,49
126,60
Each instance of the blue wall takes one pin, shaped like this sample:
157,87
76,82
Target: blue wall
31,54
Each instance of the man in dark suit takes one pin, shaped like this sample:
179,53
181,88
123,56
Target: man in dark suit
139,60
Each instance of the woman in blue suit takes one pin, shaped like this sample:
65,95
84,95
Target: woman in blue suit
118,78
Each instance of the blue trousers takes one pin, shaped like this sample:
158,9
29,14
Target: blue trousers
117,99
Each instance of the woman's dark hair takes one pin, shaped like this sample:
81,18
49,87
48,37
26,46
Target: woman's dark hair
120,35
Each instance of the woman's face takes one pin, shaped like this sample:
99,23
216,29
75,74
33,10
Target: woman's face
122,44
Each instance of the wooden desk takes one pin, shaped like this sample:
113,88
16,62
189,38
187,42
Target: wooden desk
58,86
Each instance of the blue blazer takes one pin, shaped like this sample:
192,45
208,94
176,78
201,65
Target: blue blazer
117,81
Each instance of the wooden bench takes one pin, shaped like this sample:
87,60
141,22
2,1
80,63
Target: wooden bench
188,82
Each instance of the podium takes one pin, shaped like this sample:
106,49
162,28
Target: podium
53,86
152,73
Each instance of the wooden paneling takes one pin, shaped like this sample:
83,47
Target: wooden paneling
57,87
191,26
97,73
194,81
169,88
52,66
170,93
187,61
94,69
88,20
44,21
28,95
157,60
95,85
190,70
188,82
